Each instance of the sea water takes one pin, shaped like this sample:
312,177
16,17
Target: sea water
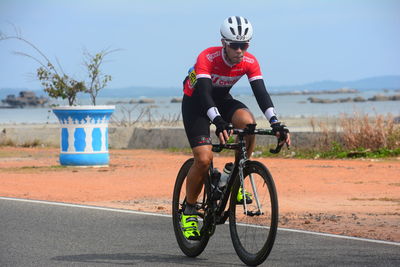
163,109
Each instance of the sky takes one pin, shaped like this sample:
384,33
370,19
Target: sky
295,41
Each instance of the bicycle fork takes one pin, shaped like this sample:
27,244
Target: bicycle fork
255,193
259,208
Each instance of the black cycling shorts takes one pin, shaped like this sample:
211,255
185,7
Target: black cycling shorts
196,121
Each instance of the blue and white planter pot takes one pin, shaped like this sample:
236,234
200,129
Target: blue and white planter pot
84,135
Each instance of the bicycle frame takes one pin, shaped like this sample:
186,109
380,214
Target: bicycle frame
219,214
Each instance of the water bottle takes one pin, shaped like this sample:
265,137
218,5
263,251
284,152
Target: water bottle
223,180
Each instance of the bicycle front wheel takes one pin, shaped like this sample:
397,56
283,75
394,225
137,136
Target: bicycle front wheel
253,223
190,248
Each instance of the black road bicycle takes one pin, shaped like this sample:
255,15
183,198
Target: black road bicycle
253,224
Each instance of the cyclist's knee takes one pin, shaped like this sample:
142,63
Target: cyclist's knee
203,161
202,157
242,117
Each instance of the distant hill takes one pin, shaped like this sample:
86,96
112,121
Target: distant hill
134,91
380,82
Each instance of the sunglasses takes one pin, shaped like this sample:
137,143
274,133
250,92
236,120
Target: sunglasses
236,45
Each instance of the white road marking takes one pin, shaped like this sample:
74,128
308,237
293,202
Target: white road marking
166,215
84,206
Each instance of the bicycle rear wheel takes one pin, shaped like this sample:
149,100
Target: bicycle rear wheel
253,234
190,248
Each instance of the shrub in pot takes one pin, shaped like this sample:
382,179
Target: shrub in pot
84,129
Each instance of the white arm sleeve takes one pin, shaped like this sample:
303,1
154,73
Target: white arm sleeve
269,113
212,113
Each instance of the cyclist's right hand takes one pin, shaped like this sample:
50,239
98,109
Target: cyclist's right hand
222,130
282,132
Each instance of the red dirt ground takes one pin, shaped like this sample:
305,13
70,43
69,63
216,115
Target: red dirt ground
347,197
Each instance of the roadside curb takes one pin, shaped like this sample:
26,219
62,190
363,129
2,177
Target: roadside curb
132,137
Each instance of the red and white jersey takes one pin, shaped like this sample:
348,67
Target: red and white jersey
211,63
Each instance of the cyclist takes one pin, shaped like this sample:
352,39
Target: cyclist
206,99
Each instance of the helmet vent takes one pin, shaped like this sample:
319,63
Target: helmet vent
238,20
245,31
230,20
232,31
240,30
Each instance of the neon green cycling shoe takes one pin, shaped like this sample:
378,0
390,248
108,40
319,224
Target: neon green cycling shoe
189,225
239,198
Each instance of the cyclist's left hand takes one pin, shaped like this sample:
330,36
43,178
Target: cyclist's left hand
281,130
222,129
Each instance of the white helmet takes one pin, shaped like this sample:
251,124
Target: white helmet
237,29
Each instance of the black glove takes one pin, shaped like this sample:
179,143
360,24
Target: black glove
220,124
282,129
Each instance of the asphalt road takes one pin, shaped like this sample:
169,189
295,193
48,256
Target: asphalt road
39,234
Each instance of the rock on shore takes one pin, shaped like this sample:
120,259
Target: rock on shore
176,100
354,99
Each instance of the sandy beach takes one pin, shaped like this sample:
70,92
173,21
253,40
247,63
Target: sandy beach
347,197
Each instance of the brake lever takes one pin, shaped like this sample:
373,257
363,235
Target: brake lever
279,145
277,149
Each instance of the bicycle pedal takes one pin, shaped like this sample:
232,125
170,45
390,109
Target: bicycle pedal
251,214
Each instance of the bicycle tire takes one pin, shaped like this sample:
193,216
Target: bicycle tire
253,236
188,247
